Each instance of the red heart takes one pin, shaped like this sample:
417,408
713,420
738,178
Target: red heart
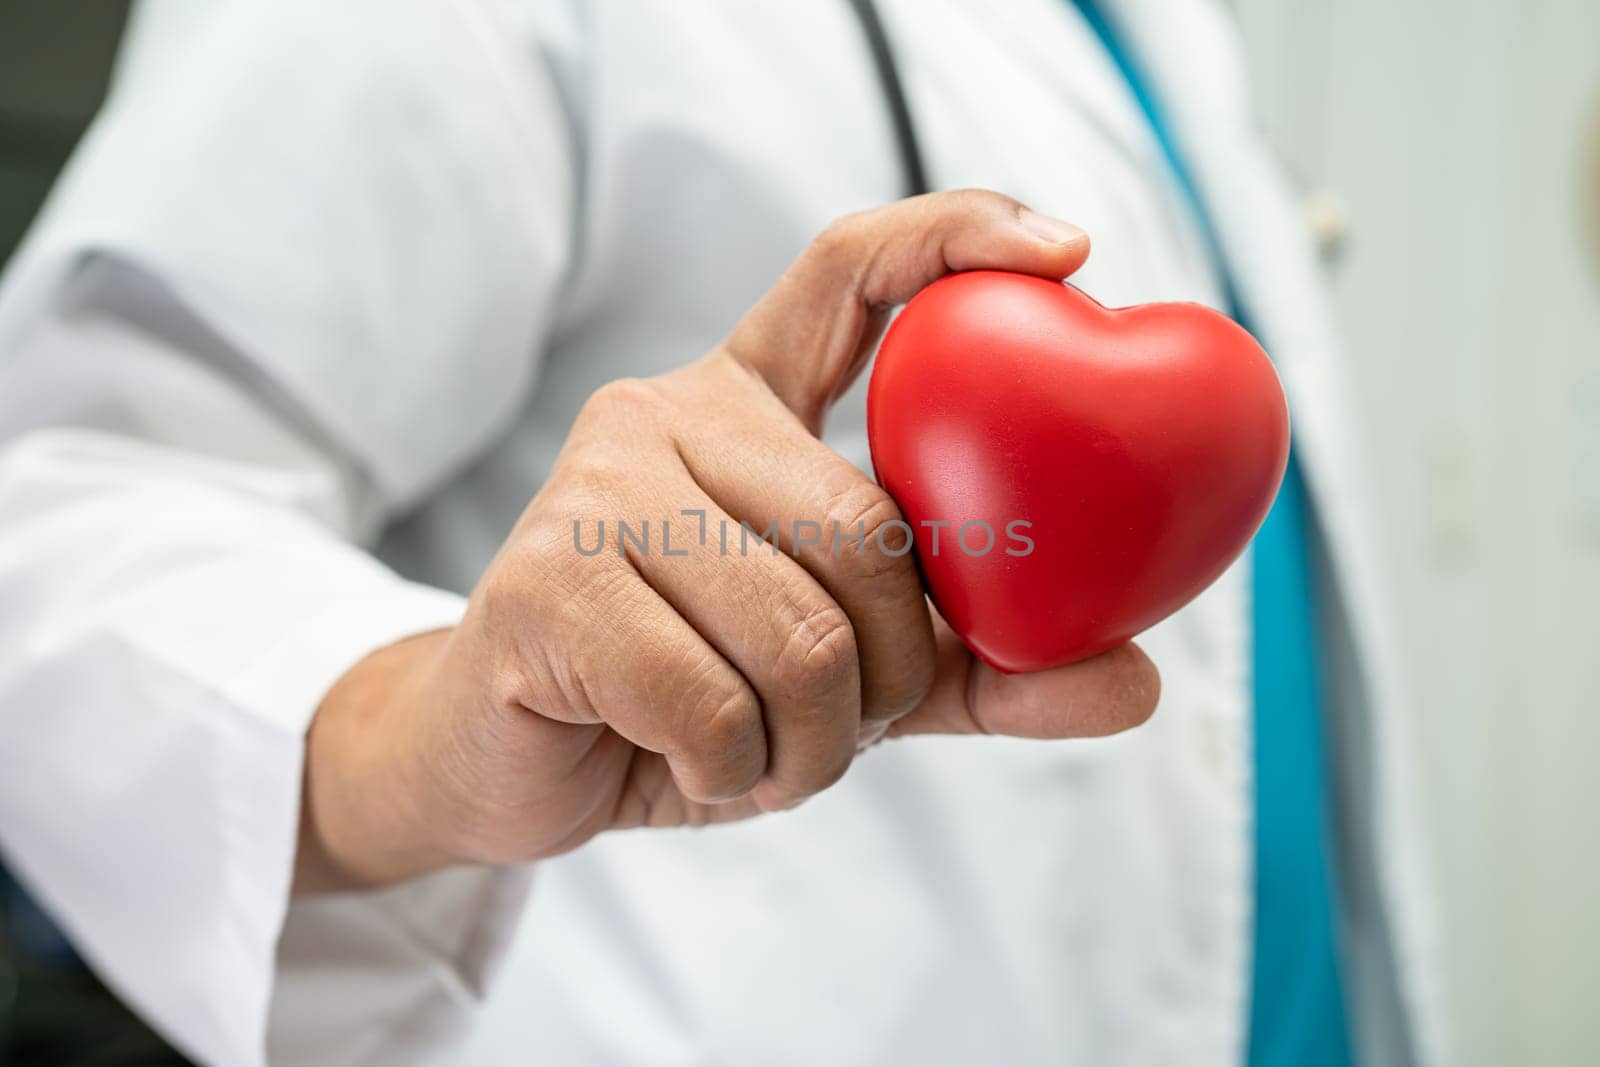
1142,445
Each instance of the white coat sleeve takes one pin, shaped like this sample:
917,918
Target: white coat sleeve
297,274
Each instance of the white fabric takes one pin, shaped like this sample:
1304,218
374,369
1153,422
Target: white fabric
330,273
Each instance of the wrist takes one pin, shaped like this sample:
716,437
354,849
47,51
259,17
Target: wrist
365,804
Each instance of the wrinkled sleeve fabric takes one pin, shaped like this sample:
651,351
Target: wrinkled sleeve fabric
298,274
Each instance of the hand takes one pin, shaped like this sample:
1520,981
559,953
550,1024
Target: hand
630,687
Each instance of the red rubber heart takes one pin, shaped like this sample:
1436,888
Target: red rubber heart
1143,447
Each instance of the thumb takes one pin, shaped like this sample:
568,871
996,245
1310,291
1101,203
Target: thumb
811,334
1105,694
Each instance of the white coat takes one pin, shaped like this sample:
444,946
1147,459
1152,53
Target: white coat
331,280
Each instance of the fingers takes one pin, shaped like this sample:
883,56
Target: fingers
764,469
628,659
790,640
1105,694
761,614
811,334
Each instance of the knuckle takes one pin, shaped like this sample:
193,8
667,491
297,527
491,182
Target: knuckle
510,594
865,504
501,592
620,431
882,565
973,202
627,398
540,549
841,241
819,651
720,711
604,475
730,717
724,745
866,510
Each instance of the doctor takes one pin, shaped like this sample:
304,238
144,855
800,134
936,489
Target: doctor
314,726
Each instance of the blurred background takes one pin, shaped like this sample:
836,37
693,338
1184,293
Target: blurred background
1449,153
1458,144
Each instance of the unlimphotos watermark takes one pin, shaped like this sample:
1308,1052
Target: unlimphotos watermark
973,537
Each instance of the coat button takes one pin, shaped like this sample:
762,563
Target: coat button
1328,217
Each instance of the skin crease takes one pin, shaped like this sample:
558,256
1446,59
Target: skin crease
584,694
